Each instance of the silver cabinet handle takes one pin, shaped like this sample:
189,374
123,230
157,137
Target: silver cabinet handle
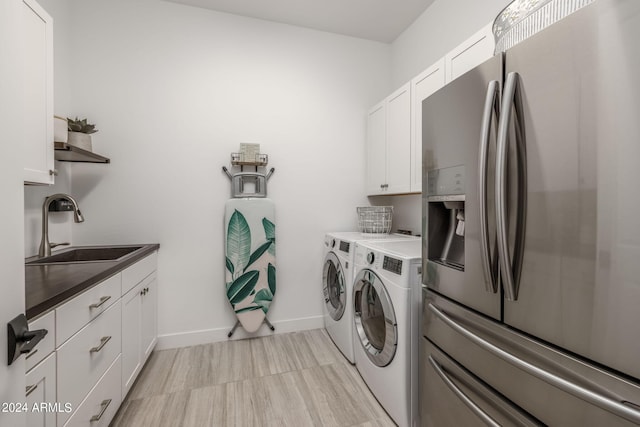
491,107
462,396
31,389
604,402
103,342
102,301
104,405
510,270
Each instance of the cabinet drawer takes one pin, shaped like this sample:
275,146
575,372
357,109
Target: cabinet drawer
73,315
138,271
102,403
84,358
41,393
48,343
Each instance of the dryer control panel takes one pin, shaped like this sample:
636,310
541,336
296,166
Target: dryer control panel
392,264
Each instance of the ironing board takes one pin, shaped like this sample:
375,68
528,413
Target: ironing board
250,249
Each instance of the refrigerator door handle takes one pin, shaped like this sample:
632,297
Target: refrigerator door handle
511,267
491,107
618,408
486,418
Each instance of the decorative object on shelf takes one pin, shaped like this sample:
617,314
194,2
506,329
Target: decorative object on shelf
523,18
249,152
60,129
80,133
375,219
249,155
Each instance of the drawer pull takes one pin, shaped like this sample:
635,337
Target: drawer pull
31,353
31,389
102,301
103,342
104,405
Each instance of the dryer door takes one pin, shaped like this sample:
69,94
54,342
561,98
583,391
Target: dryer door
375,319
333,286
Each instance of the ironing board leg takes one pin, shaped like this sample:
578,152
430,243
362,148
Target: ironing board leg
269,324
233,329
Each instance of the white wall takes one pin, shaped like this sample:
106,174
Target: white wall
407,211
60,223
174,90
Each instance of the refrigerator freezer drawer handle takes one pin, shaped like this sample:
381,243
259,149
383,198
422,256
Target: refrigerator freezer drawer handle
603,402
491,107
486,418
511,268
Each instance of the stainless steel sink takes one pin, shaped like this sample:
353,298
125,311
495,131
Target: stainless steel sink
87,254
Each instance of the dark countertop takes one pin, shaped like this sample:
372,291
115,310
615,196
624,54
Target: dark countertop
46,286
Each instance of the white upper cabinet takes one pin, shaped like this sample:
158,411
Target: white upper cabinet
376,148
398,141
470,53
389,144
394,126
37,52
422,86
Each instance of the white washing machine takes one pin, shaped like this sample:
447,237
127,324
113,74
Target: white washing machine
337,284
386,302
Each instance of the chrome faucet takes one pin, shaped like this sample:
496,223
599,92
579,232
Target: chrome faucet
45,246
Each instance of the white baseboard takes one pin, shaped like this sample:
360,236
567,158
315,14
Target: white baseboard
187,339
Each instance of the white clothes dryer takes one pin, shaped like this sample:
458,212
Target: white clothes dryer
337,284
386,303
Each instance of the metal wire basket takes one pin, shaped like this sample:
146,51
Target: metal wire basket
375,219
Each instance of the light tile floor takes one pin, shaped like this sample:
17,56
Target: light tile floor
295,379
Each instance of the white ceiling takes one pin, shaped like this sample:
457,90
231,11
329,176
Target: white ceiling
380,20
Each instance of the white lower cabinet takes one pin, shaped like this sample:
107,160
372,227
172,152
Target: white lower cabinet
101,404
149,331
139,314
84,359
41,394
96,346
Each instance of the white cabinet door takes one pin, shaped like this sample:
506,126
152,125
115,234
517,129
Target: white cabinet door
376,149
41,392
131,345
423,85
399,141
149,321
139,329
389,144
12,301
37,126
470,53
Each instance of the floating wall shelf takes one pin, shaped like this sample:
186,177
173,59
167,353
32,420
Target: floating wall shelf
70,153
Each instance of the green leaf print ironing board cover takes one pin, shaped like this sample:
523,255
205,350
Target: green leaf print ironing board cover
250,247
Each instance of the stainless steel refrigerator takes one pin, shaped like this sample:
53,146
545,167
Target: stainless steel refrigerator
531,225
